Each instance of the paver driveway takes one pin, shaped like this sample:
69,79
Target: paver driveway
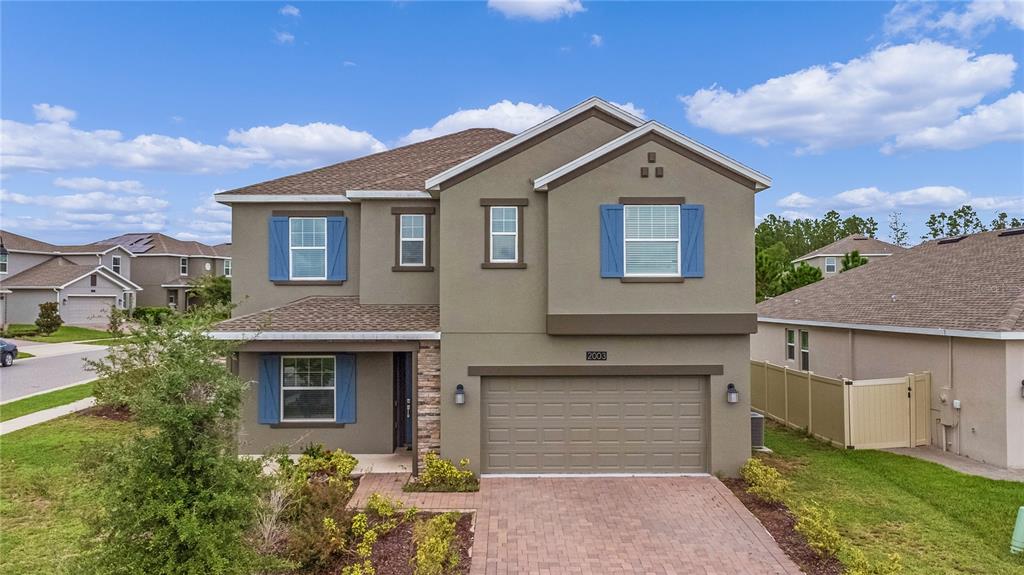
603,525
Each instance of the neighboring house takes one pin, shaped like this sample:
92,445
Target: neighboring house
83,280
829,259
573,299
164,266
954,307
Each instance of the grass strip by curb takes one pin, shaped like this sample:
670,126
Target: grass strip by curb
44,401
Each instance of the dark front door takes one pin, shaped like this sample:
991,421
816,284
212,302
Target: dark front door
403,400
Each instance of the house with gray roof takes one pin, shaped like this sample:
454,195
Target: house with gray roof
829,259
953,306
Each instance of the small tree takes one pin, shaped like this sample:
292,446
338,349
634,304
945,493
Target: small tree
853,260
800,276
212,290
898,229
115,321
176,498
49,319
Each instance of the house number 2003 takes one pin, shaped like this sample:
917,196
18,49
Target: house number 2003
597,356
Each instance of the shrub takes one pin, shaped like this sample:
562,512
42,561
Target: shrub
115,321
436,552
155,315
312,540
442,475
49,319
212,290
818,525
764,481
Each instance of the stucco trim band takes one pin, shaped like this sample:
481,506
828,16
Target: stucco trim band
324,335
1000,335
652,324
590,370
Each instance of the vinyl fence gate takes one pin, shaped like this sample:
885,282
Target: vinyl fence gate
860,414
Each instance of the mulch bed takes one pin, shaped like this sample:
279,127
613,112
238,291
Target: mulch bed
107,412
393,553
777,519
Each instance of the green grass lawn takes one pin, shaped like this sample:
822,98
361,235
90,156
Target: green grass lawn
44,401
24,355
46,491
64,333
938,520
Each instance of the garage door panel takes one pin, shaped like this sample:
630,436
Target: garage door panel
86,310
596,424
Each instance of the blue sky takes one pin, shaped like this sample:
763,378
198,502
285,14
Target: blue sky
127,117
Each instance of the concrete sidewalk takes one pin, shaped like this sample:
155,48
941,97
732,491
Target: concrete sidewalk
41,350
45,415
960,463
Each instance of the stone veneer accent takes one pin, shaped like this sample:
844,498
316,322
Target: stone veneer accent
428,399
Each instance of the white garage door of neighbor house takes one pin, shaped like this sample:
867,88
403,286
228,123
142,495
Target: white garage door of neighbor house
632,424
87,310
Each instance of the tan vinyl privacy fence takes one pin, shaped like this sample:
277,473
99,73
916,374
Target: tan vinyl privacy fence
863,414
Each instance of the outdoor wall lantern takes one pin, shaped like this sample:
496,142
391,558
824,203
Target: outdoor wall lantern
731,394
460,395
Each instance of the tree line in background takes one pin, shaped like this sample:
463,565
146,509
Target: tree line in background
778,241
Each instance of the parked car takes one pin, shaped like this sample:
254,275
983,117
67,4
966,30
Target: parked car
8,351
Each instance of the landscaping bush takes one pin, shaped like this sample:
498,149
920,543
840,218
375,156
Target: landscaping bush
764,481
818,525
155,315
49,319
442,475
436,552
115,321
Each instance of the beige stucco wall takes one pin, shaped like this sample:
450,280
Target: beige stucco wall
18,262
372,432
249,243
1015,404
378,283
23,305
975,371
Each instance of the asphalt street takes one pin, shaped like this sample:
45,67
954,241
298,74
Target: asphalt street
34,375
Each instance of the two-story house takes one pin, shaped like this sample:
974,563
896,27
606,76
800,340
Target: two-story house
829,259
577,298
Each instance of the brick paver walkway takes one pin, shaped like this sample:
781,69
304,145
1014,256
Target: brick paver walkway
603,525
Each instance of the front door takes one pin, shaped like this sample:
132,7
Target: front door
402,400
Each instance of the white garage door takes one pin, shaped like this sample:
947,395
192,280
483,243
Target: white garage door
631,424
81,310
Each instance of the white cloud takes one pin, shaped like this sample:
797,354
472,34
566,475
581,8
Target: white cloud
796,215
289,10
88,201
104,221
91,184
596,40
210,222
890,92
632,109
61,146
47,113
348,64
540,10
1001,121
971,19
796,200
284,37
873,197
291,144
503,115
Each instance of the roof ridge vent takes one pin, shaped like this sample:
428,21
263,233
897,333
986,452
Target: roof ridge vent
1013,232
951,240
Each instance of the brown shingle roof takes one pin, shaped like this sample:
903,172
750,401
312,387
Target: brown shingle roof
336,314
52,273
405,168
163,244
862,244
974,284
15,242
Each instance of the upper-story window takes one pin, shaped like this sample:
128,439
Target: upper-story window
115,264
227,268
504,240
183,266
3,263
307,248
651,235
413,240
830,265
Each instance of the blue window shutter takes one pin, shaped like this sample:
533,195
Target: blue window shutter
611,240
345,389
270,388
337,248
691,233
278,250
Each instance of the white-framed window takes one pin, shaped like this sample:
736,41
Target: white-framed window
3,263
307,387
413,238
504,240
805,350
307,248
227,268
790,344
115,264
183,266
830,265
651,237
